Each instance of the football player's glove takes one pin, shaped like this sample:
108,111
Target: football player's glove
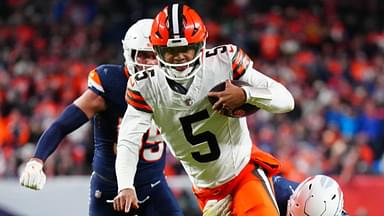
33,176
216,208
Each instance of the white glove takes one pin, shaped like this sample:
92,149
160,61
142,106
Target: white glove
218,208
33,175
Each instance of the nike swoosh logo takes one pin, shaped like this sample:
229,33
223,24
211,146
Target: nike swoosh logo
156,183
142,201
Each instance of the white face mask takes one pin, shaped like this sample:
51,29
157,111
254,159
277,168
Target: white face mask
137,60
181,71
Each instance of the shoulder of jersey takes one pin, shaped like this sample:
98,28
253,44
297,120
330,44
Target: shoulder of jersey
135,87
145,76
222,52
110,70
102,74
143,80
232,54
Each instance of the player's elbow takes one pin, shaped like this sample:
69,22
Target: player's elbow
287,100
290,104
284,104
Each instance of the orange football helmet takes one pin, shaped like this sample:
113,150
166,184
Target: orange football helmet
178,28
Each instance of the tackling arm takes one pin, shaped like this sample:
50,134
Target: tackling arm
74,116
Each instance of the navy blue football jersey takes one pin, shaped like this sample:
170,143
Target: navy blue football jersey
283,190
109,81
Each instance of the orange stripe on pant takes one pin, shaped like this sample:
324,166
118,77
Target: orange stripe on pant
249,191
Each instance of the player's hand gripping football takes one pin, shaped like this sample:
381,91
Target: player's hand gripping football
125,200
231,98
216,208
33,176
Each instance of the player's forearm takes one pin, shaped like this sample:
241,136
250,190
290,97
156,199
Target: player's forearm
71,119
267,93
276,99
133,125
126,163
282,100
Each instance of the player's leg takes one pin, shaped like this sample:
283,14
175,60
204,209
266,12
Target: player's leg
100,191
254,195
164,193
162,201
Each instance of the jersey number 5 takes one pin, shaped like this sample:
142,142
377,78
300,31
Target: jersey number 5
186,123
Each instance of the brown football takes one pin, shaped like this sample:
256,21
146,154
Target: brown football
243,110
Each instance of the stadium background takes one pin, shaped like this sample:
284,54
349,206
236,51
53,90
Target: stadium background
330,55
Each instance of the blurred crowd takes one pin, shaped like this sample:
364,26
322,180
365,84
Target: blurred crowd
329,54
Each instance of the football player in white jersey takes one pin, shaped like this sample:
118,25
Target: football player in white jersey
215,150
104,103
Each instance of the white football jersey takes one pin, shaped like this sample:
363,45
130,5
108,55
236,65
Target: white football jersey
212,148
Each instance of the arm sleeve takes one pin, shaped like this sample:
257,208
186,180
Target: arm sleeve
134,124
71,119
266,93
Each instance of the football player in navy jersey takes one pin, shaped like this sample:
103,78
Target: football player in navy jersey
104,102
